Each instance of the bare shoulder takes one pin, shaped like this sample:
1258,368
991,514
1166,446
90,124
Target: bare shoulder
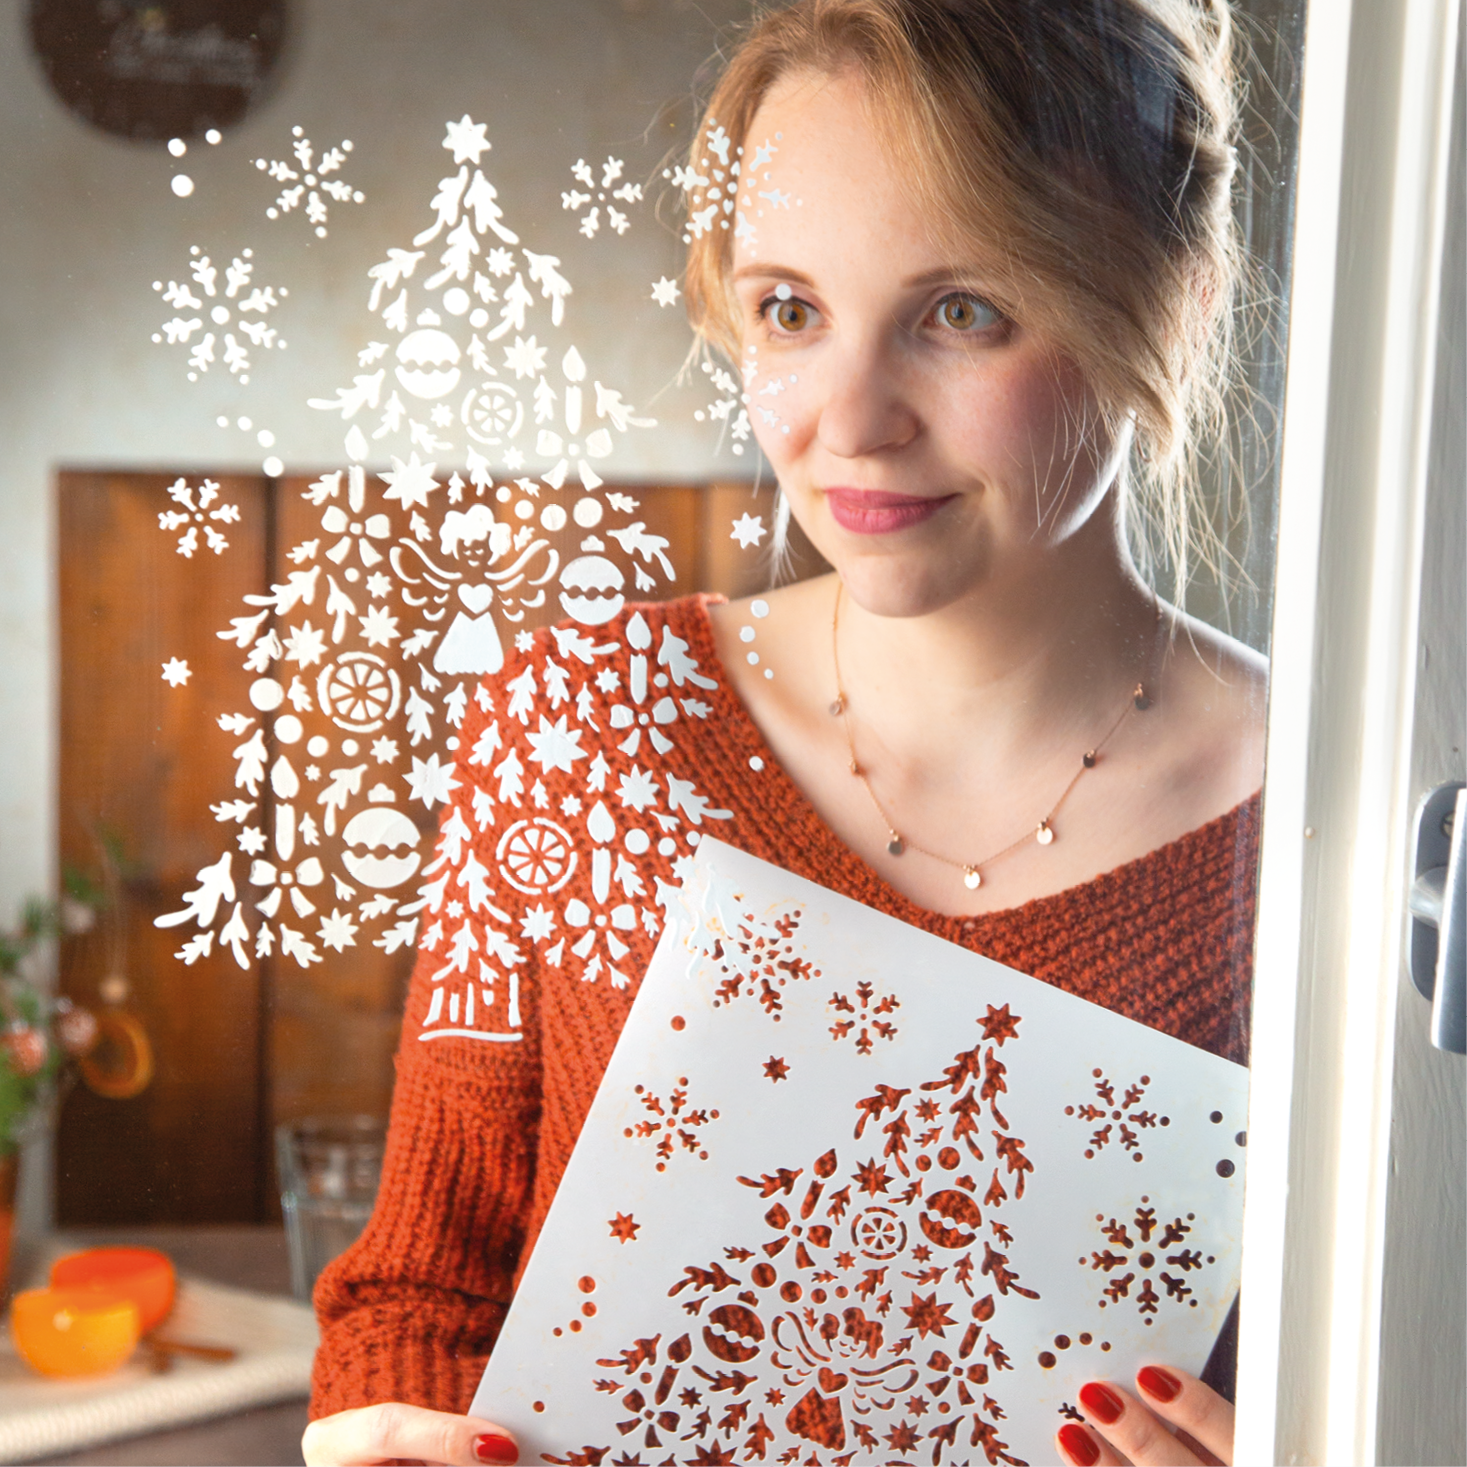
1215,689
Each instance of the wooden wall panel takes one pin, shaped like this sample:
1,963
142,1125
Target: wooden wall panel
143,761
239,1051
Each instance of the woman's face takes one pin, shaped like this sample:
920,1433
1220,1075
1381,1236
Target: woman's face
931,448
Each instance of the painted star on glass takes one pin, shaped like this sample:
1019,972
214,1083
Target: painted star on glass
748,530
555,746
665,291
411,482
431,781
466,140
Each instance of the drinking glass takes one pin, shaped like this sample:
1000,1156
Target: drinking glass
329,1170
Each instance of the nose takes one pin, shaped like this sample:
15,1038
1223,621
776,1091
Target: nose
866,409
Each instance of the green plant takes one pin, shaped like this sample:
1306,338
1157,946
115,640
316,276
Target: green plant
39,1031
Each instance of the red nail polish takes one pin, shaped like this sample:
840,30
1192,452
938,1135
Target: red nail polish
1101,1402
496,1449
1078,1445
1159,1384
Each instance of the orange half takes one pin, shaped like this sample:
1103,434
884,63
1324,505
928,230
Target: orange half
73,1331
143,1275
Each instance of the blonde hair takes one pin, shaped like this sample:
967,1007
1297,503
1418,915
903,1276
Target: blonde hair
1086,148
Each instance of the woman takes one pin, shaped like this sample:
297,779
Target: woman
978,265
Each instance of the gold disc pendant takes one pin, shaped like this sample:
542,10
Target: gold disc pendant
1045,834
972,878
896,845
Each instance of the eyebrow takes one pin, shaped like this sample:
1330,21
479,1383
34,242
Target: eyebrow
749,272
943,273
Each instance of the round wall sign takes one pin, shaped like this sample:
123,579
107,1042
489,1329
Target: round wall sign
158,70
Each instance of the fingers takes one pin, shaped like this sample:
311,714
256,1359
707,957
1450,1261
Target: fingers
1186,1403
1121,1427
393,1432
1082,1447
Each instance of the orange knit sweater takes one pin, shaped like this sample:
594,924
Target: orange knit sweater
585,770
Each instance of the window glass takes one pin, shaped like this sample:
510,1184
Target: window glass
422,592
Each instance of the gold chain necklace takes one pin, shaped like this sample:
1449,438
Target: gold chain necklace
898,844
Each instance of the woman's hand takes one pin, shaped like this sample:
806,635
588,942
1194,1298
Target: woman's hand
392,1432
1172,1420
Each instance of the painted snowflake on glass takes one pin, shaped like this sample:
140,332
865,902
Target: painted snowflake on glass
226,330
199,514
308,181
600,192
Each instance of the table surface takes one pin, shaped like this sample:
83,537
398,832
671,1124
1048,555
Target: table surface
246,1258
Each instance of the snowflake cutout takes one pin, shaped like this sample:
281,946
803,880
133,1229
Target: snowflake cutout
196,516
238,303
758,959
309,184
599,194
673,1122
1136,1260
865,1012
1124,1118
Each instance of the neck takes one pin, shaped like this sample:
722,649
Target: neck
1039,654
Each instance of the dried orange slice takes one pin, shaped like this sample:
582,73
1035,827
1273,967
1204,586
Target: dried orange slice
73,1331
143,1275
120,1064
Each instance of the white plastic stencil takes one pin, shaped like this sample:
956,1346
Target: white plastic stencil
849,1189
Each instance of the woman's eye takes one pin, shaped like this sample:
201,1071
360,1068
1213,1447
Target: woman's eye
788,316
961,312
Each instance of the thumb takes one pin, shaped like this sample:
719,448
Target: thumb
485,1443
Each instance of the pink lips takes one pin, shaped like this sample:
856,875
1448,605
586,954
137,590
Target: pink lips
877,512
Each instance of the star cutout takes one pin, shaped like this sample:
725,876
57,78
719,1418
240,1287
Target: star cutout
999,1024
176,672
665,291
466,140
748,530
624,1227
523,641
384,751
776,1069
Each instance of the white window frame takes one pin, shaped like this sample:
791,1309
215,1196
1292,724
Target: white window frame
1373,151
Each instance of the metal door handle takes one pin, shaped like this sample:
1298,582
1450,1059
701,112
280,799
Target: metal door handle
1436,943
